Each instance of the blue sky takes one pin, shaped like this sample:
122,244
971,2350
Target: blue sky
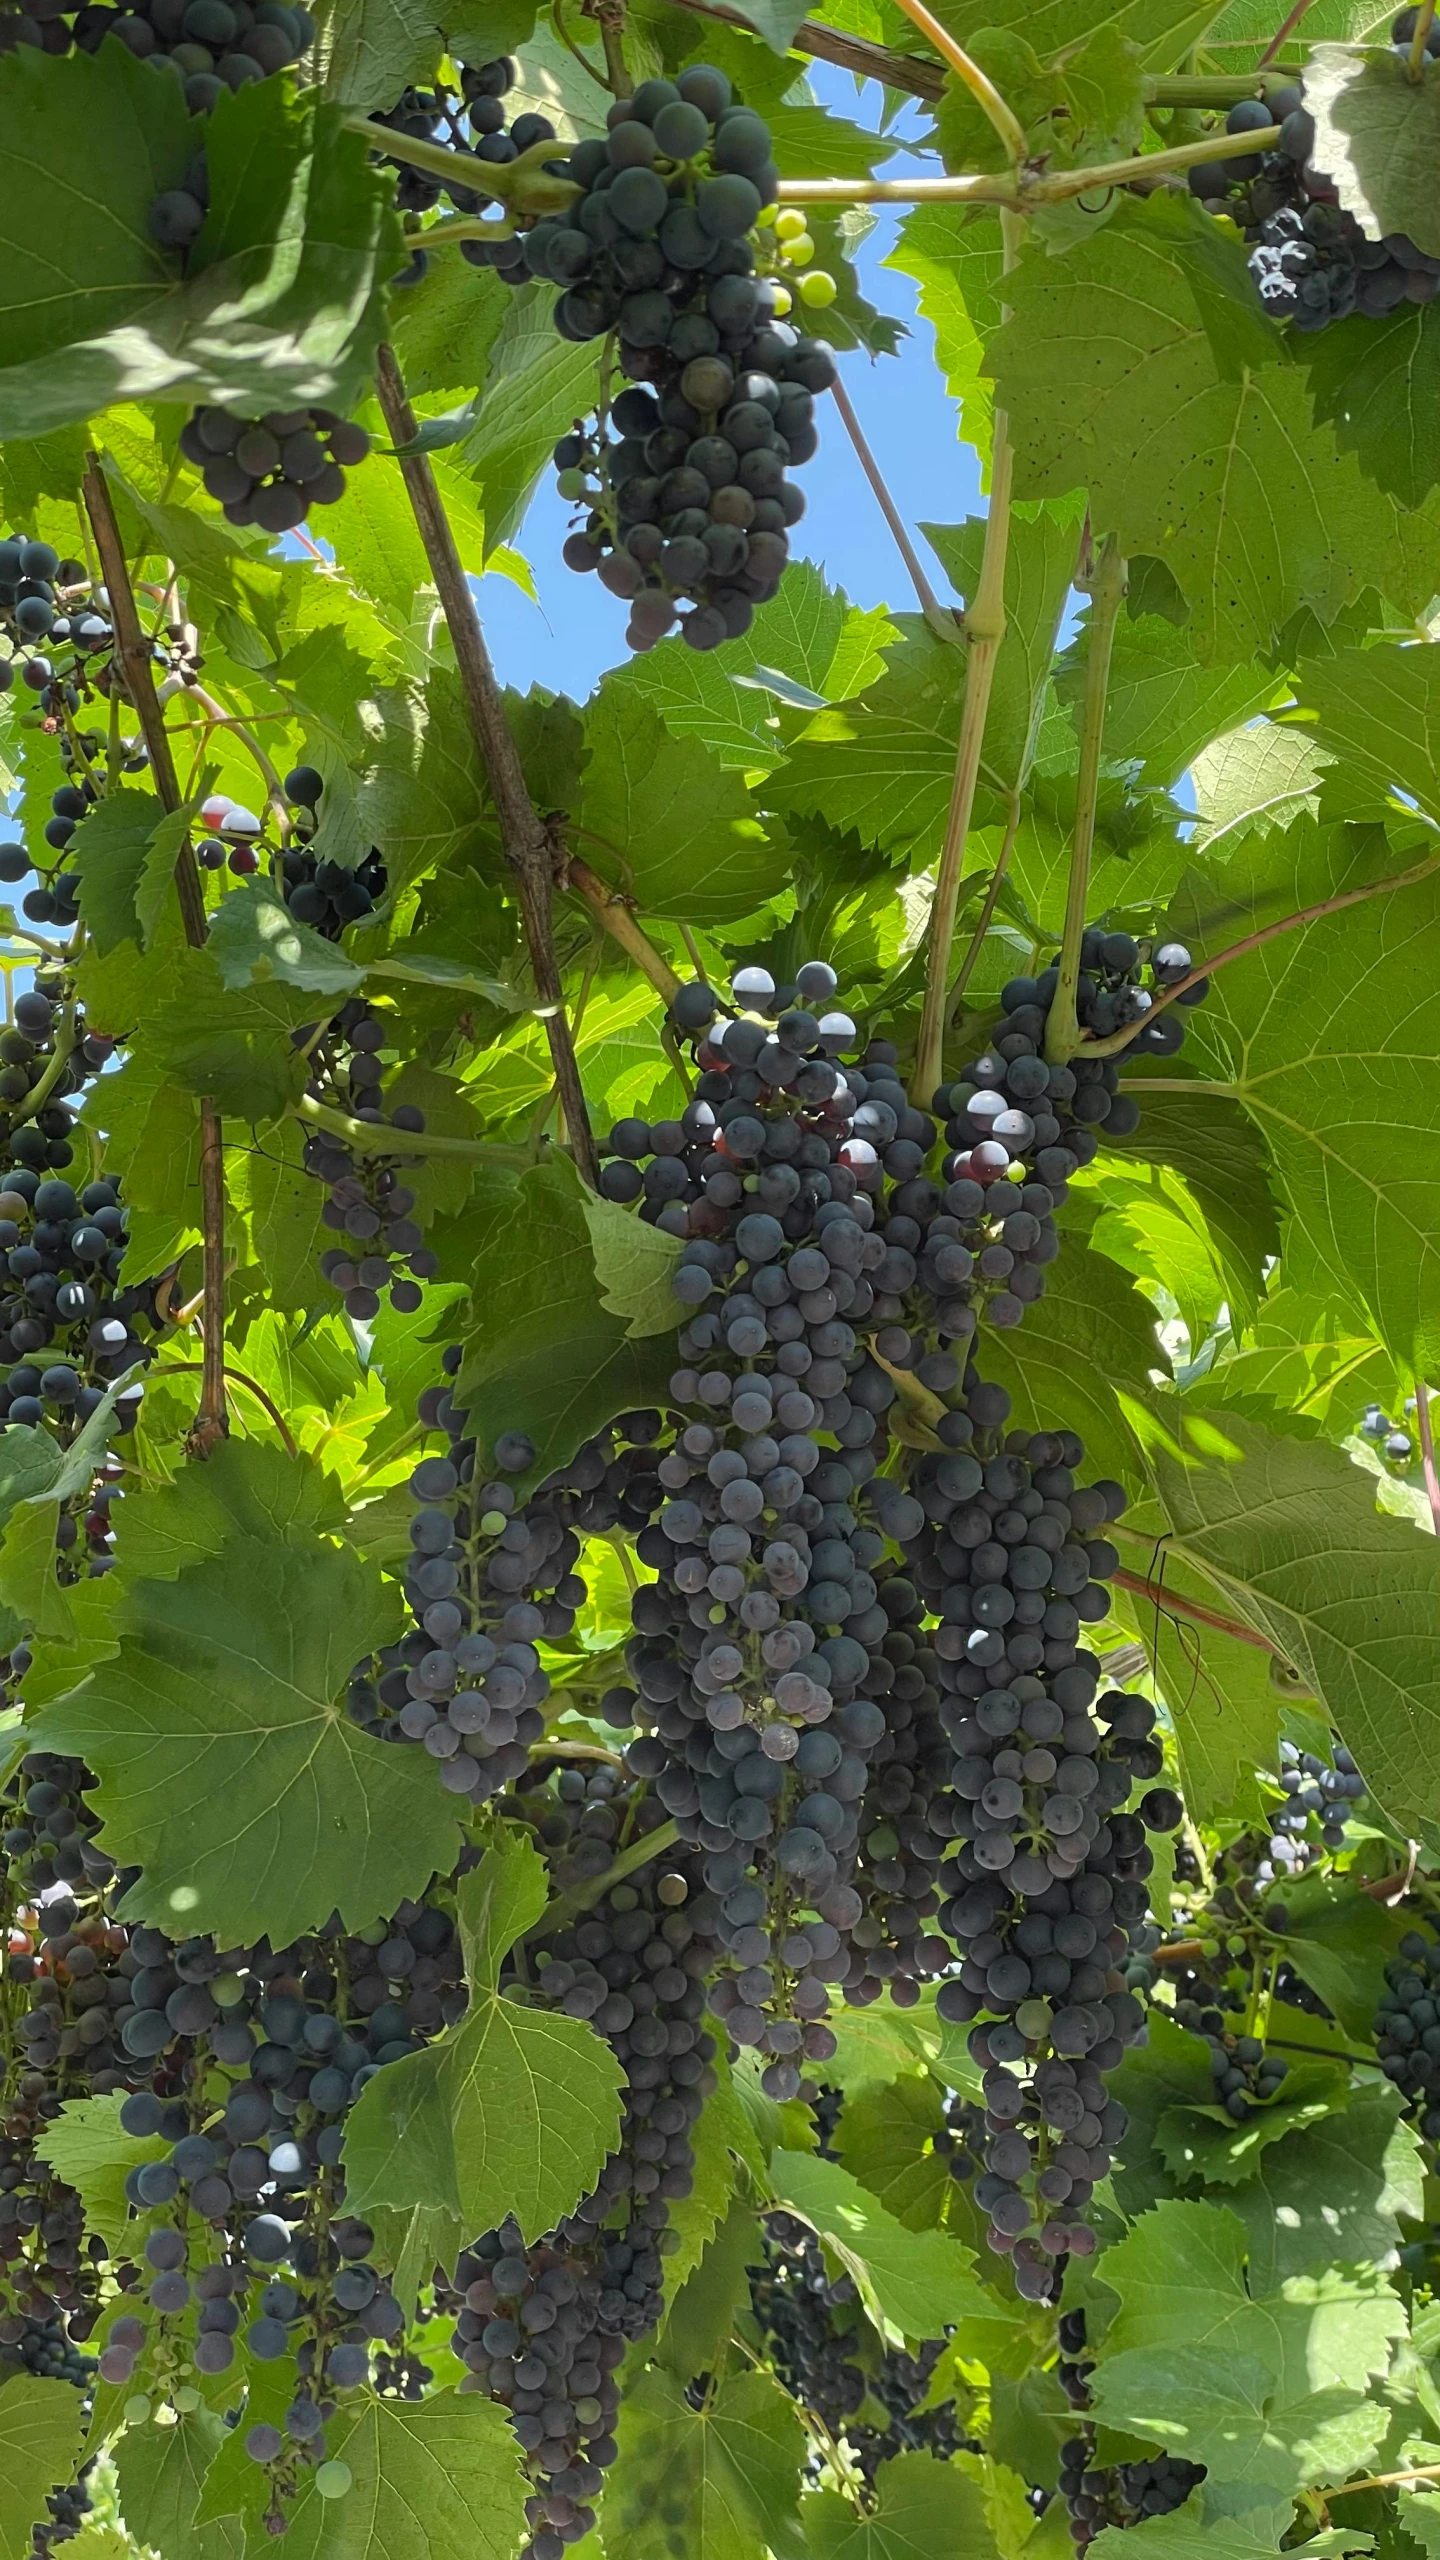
577,630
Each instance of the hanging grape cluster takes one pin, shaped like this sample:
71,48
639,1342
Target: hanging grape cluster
1312,261
690,503
826,2352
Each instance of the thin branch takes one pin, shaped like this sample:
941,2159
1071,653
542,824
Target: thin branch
557,20
1287,27
1027,189
1118,1040
1107,594
988,905
946,626
1415,63
1382,2480
524,838
1427,1450
379,1138
612,909
212,1420
193,1369
522,185
1179,1607
1008,127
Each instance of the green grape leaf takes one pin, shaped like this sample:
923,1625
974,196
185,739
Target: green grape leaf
1226,1167
248,1486
702,2311
1333,2194
953,254
882,766
86,2145
916,2282
774,21
280,1206
280,302
1203,2142
1271,2394
635,1265
1140,360
1257,777
1376,710
512,2111
1324,1036
1377,386
228,1767
1419,2512
668,824
254,938
39,2451
719,2482
437,2479
1086,1345
159,2472
230,1044
1287,1529
125,855
1377,135
882,2140
923,2510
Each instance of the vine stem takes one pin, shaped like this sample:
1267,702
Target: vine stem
1023,190
946,626
610,18
1427,1450
212,1420
1118,1040
378,1138
982,88
984,638
613,910
1107,594
1415,63
39,1094
524,837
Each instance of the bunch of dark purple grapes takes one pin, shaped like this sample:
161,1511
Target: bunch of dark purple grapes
369,1204
46,605
1311,260
760,1650
270,471
831,2361
692,502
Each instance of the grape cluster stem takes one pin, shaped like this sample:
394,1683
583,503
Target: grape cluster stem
1107,594
524,838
